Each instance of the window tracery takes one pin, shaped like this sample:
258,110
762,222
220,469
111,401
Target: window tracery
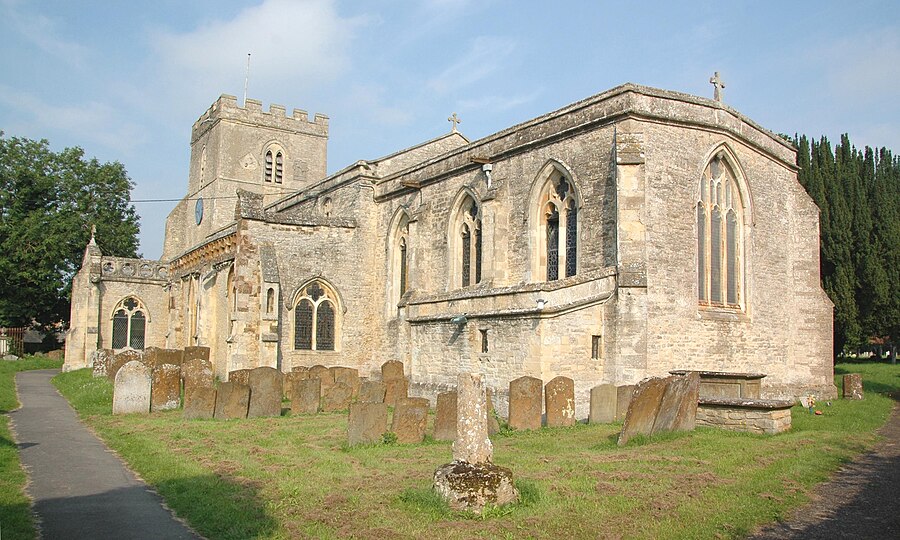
719,236
557,234
316,323
129,324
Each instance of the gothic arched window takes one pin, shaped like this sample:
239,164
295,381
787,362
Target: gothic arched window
129,324
316,324
466,244
719,237
556,237
274,166
399,254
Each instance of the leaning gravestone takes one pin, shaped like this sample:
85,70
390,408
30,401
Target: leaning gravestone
199,403
410,417
240,376
445,417
100,360
165,393
559,395
265,392
305,396
131,393
155,356
197,372
603,404
525,403
232,400
853,387
337,397
367,423
371,392
643,408
471,482
678,408
120,359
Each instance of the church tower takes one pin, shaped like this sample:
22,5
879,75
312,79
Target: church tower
235,147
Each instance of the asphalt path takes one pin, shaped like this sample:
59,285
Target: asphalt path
80,489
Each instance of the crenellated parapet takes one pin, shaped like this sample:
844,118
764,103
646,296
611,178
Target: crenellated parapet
227,108
129,269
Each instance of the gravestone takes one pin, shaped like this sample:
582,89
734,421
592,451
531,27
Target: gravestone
155,356
371,392
643,408
320,372
240,376
410,417
265,392
305,396
197,372
199,403
165,388
131,393
337,397
367,423
559,397
493,423
525,403
678,408
392,370
120,359
232,400
348,376
623,400
301,369
445,417
853,387
471,482
395,390
190,353
290,378
603,404
100,360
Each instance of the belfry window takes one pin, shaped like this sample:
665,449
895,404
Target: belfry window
316,319
129,324
467,244
274,166
557,235
719,244
399,252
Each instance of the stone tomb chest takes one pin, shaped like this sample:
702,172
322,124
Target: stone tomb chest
719,384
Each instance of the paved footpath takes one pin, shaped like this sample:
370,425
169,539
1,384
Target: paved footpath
80,489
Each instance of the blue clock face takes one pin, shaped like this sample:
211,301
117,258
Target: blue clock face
198,211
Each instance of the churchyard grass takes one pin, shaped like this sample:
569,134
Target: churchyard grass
15,514
295,477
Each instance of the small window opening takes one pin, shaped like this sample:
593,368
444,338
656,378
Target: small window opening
595,347
484,340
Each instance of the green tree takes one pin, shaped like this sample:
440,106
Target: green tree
48,203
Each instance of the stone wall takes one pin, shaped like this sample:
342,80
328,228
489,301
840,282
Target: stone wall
753,420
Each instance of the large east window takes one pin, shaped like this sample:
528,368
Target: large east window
719,237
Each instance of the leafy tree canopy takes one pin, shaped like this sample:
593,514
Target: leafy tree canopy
48,203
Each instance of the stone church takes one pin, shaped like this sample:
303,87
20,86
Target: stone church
623,236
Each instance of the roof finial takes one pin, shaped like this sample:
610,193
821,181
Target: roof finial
716,81
454,120
93,234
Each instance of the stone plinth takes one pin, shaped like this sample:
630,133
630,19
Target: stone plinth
767,416
372,392
265,392
445,417
199,402
525,403
410,418
472,486
232,400
367,423
603,404
131,393
165,393
853,386
559,397
305,396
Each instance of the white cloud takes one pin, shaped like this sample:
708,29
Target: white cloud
486,56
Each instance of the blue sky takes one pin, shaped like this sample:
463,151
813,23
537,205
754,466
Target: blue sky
125,80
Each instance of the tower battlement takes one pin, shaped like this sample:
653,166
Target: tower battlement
227,108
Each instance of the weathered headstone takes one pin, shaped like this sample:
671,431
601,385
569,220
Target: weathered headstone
232,400
623,400
155,356
320,372
410,417
337,397
120,359
643,408
348,376
131,393
371,392
191,353
392,370
100,360
301,369
265,392
289,379
678,408
603,404
395,390
367,423
445,417
559,397
525,403
493,423
853,387
305,396
197,372
471,482
165,392
199,403
240,376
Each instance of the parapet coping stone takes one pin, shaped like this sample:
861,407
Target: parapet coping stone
745,403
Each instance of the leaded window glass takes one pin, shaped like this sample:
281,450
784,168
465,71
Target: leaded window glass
120,330
466,247
466,256
303,325
719,243
553,245
129,325
316,319
701,251
731,257
325,326
402,266
478,255
137,328
558,237
571,238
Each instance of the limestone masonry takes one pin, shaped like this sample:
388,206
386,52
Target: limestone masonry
633,233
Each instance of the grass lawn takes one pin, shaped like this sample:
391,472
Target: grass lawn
15,514
294,477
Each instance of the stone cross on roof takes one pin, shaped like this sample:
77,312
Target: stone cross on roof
455,121
716,81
